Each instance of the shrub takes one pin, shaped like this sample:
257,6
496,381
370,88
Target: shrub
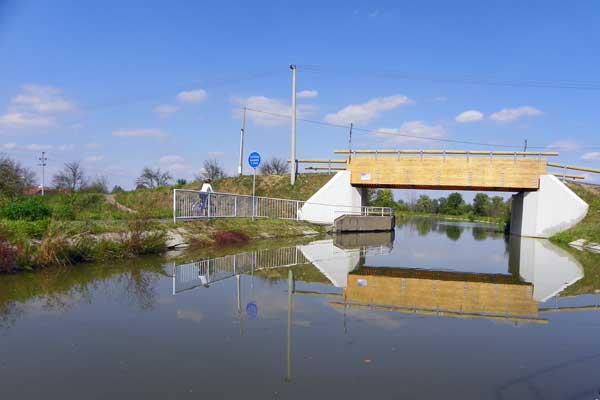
8,256
27,208
230,238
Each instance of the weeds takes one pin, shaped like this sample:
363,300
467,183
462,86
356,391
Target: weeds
8,256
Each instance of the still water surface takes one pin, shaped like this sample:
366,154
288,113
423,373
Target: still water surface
434,311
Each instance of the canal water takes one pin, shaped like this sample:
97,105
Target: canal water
435,310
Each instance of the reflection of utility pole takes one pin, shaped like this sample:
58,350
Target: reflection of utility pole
242,132
288,377
239,304
42,163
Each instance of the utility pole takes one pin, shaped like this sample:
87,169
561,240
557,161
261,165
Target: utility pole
42,163
294,166
242,131
350,142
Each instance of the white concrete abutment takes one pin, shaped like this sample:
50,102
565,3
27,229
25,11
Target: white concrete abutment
547,211
336,198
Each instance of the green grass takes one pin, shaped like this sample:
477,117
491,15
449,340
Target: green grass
589,227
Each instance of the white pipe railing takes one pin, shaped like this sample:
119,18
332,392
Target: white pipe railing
193,204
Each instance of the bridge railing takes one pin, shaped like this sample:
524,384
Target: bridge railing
193,204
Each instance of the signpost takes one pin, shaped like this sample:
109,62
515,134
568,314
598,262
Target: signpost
254,161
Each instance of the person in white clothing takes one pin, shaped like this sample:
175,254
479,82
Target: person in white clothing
204,193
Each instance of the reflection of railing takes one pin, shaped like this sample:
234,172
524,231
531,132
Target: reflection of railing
193,204
194,274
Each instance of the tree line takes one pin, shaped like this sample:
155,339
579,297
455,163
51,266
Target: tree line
482,205
16,179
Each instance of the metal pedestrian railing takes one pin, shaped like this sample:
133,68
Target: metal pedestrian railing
194,204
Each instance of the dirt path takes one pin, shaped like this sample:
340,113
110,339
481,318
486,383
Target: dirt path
111,199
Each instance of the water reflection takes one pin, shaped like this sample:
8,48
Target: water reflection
536,271
349,316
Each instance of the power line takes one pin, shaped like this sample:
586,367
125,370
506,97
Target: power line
394,134
469,80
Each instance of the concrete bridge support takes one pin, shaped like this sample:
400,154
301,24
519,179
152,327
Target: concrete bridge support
551,209
337,197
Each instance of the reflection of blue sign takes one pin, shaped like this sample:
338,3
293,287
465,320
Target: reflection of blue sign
254,159
252,310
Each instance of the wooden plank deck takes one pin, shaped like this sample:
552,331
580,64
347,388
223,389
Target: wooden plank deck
509,174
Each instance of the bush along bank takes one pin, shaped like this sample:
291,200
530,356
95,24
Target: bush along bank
67,243
58,246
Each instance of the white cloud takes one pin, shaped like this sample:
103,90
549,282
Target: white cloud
440,98
512,114
38,147
165,110
593,156
469,116
92,146
174,163
94,159
307,94
65,147
8,146
215,154
139,133
43,99
412,132
169,159
192,96
274,112
564,145
366,112
22,120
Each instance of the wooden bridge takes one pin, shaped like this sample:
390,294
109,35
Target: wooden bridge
447,169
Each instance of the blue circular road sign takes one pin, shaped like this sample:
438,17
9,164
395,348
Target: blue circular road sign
254,159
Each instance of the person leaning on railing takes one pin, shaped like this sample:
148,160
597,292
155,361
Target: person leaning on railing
204,193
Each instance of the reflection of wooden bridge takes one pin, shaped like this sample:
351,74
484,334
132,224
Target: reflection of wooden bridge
467,294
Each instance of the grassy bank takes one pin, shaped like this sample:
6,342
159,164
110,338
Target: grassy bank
68,228
67,243
589,227
159,202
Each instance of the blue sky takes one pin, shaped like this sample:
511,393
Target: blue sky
122,85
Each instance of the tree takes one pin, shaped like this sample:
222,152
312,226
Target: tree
71,177
482,204
14,178
384,198
212,170
424,204
98,185
180,182
153,178
275,166
498,207
117,189
454,205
